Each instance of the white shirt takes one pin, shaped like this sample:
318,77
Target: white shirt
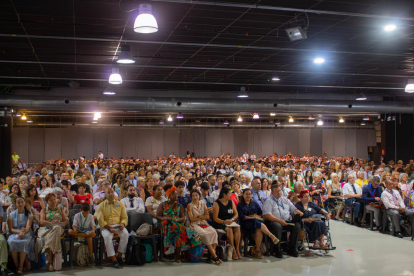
366,175
246,186
387,199
215,194
151,201
347,189
137,202
253,157
249,174
246,156
101,156
259,174
45,192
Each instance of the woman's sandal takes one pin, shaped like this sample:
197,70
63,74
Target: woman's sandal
20,270
215,261
274,239
50,268
258,254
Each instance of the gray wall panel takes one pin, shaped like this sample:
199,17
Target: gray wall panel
129,142
100,141
328,142
339,142
157,143
20,142
114,144
316,142
144,142
266,142
171,141
350,142
85,142
279,141
186,142
304,141
227,141
240,142
292,138
213,142
53,143
36,145
253,144
199,142
69,143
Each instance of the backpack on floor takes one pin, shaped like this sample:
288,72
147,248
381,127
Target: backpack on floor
406,228
82,257
148,252
196,253
221,252
134,254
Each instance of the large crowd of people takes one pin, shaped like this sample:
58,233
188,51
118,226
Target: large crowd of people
192,199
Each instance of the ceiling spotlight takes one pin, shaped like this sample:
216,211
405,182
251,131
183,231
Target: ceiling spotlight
256,116
109,91
409,88
291,119
145,23
341,120
390,28
97,115
115,77
272,114
179,115
311,117
18,114
169,119
361,97
161,122
94,122
125,57
366,118
74,84
242,93
320,123
296,33
362,123
24,118
319,60
240,119
277,122
30,121
275,77
226,122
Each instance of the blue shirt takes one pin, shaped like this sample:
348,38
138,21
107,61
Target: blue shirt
368,193
184,200
259,197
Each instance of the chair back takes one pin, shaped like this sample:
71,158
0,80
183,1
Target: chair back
135,219
71,215
77,206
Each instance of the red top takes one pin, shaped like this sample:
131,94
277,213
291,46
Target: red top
87,198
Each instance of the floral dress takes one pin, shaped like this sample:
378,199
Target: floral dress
27,244
51,235
175,233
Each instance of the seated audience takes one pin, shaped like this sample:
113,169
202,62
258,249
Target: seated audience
278,211
294,195
198,215
224,216
316,229
38,203
132,201
405,186
395,206
152,203
112,218
84,227
361,181
148,188
183,199
258,195
250,215
82,196
44,188
371,193
61,201
52,220
335,198
21,240
353,193
170,215
266,186
3,248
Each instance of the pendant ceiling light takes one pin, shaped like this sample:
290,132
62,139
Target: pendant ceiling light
320,123
240,119
256,116
145,23
243,93
24,117
115,77
291,119
342,120
179,115
226,122
409,88
125,57
169,118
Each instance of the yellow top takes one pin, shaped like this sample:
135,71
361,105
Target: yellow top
109,213
15,158
361,182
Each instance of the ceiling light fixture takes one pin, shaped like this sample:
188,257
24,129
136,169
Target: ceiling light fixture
341,120
243,93
275,77
125,57
361,97
94,122
291,119
115,77
389,27
277,122
97,115
256,116
311,118
169,119
18,114
296,33
363,123
161,122
109,91
145,23
272,114
366,118
30,121
319,60
409,88
320,123
179,115
240,119
226,122
24,118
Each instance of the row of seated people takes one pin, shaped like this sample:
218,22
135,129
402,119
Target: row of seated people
112,219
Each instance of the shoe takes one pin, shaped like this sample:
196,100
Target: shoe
379,228
293,254
120,261
279,254
4,272
91,262
116,264
357,223
399,235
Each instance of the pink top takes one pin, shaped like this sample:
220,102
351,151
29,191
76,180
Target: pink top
37,206
405,187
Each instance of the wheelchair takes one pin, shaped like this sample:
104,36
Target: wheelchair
301,247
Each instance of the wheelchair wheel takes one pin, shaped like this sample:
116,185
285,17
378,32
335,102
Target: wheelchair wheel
301,248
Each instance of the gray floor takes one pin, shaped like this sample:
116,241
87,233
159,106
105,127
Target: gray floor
373,254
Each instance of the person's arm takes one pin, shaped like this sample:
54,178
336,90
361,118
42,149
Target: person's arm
160,210
75,222
241,213
181,219
142,195
64,219
141,207
100,216
43,221
215,215
330,192
11,229
190,214
206,215
124,216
